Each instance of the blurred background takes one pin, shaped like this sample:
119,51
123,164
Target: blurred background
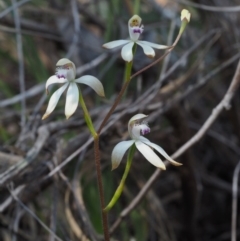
187,203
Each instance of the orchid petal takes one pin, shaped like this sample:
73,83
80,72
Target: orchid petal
53,80
150,155
153,45
119,151
92,82
115,44
126,53
54,100
149,51
71,100
162,152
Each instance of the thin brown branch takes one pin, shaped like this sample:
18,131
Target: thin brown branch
100,188
113,107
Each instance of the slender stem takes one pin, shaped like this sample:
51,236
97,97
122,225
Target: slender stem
96,143
136,6
97,165
119,190
128,71
120,95
100,188
97,154
86,115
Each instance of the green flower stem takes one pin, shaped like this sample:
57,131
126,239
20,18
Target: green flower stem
128,68
119,190
136,6
95,135
86,115
183,26
181,30
100,189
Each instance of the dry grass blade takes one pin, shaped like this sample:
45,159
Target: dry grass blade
71,220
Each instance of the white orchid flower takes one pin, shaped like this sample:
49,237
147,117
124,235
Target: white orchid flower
65,74
135,30
136,129
185,14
